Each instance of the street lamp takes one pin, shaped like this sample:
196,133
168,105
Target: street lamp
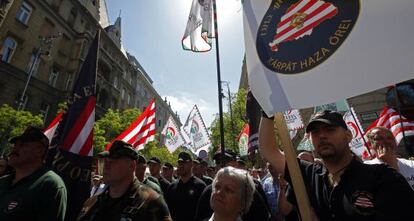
46,45
231,113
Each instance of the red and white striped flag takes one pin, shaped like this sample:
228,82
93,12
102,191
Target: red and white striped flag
391,120
300,19
141,131
49,131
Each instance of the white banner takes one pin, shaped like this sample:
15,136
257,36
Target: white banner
306,53
357,143
173,136
293,120
197,132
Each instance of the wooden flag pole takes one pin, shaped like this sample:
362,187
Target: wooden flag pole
293,167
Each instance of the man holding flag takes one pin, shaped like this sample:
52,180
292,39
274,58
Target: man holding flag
342,188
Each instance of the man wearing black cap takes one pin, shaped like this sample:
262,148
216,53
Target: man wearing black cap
342,188
259,210
32,192
183,194
200,170
155,170
141,176
168,172
125,198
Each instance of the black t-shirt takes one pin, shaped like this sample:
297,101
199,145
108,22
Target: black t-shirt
365,192
258,210
182,198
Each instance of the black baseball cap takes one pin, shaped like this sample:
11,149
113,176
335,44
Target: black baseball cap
329,117
201,161
229,155
32,134
141,159
168,165
184,157
155,160
120,149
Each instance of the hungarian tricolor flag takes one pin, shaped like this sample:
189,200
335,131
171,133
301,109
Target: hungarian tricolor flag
71,147
243,140
50,130
141,131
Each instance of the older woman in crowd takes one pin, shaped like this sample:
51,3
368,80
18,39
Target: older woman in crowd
232,194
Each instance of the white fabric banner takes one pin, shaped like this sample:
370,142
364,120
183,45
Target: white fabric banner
173,136
329,50
293,120
197,132
357,143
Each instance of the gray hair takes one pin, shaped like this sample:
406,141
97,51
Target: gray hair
245,182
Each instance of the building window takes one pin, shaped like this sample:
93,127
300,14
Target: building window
72,16
44,110
116,82
123,93
69,81
33,64
54,74
24,12
129,99
7,51
22,102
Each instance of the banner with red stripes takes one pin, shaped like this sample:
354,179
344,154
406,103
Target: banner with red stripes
71,151
141,131
50,130
391,120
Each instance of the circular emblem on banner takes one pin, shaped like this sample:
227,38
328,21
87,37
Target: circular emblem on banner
353,128
170,133
296,36
194,127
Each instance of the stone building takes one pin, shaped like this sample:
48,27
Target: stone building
50,39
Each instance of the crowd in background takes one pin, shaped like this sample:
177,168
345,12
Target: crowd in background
131,187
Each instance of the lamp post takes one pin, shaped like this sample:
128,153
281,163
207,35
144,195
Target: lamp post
46,45
231,113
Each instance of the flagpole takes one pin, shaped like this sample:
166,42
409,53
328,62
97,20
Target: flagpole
358,126
219,83
397,99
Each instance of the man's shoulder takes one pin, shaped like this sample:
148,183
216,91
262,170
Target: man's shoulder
197,181
50,180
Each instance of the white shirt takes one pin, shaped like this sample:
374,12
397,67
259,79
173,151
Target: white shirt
97,190
406,168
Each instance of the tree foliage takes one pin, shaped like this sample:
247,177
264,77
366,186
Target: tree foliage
13,123
231,132
111,125
107,128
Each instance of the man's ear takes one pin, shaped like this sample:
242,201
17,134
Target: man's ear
349,135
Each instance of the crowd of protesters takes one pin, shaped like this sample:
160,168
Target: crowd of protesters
339,185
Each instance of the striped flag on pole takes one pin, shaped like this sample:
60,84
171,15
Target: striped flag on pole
391,120
141,131
71,149
49,131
